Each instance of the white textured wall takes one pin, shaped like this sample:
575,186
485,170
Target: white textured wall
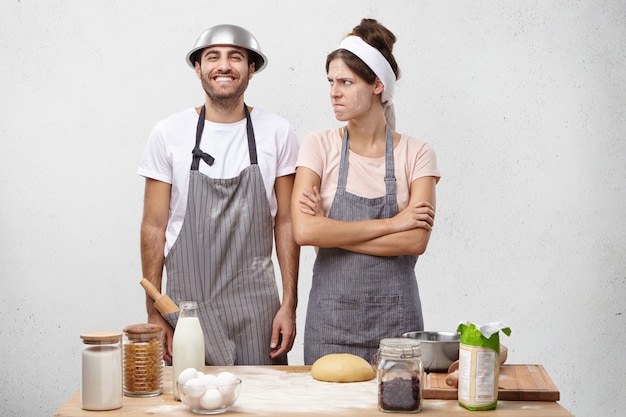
524,102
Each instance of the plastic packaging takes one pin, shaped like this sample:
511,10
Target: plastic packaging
479,365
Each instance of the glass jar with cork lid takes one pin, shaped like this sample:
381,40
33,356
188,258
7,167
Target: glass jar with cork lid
101,366
143,360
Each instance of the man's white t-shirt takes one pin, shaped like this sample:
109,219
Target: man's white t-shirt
167,156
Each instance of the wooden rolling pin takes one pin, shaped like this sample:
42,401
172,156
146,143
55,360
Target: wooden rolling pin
452,379
162,302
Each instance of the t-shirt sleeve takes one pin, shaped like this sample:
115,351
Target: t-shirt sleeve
310,155
425,163
154,163
288,154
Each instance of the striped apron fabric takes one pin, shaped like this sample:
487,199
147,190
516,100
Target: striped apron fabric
222,260
355,299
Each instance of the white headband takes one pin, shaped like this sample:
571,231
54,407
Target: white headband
380,66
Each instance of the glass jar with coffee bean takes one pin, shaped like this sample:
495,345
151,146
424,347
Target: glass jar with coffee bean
400,375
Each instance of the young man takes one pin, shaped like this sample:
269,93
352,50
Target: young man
218,188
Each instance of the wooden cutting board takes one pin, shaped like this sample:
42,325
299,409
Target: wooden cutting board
517,383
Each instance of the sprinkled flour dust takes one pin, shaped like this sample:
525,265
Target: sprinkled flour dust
170,410
268,390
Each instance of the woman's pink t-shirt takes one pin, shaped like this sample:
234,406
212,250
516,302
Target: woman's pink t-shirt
321,152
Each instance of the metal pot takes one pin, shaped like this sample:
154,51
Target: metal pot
439,349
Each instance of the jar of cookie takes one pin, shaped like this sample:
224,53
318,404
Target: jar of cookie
143,360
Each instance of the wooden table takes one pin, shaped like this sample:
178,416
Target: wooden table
291,391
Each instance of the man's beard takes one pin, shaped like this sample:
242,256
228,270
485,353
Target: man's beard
225,100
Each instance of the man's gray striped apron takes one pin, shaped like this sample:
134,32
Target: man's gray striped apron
355,299
222,260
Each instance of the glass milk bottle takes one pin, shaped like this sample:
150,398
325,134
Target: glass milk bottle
101,379
188,344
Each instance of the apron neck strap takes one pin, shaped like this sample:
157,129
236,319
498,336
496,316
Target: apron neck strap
198,154
390,176
251,138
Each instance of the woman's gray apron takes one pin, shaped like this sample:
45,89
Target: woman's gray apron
355,299
222,260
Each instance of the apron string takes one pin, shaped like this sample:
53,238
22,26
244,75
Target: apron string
251,138
198,154
390,176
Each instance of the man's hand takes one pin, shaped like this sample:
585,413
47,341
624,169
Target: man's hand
283,332
167,334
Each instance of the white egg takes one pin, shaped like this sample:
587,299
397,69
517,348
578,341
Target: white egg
211,399
209,381
186,375
229,398
226,378
226,382
194,388
191,402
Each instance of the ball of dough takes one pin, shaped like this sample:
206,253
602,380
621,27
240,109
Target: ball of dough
342,367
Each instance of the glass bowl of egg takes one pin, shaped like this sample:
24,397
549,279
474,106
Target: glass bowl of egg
208,393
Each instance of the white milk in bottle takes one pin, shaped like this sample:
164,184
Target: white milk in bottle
188,344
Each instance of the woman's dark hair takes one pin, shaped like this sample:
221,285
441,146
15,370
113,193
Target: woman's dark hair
375,35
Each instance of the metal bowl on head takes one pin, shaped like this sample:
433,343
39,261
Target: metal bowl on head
229,35
439,349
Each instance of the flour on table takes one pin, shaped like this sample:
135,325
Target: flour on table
170,410
268,390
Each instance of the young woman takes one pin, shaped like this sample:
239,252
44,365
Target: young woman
364,195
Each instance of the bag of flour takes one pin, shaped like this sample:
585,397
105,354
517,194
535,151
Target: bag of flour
479,364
